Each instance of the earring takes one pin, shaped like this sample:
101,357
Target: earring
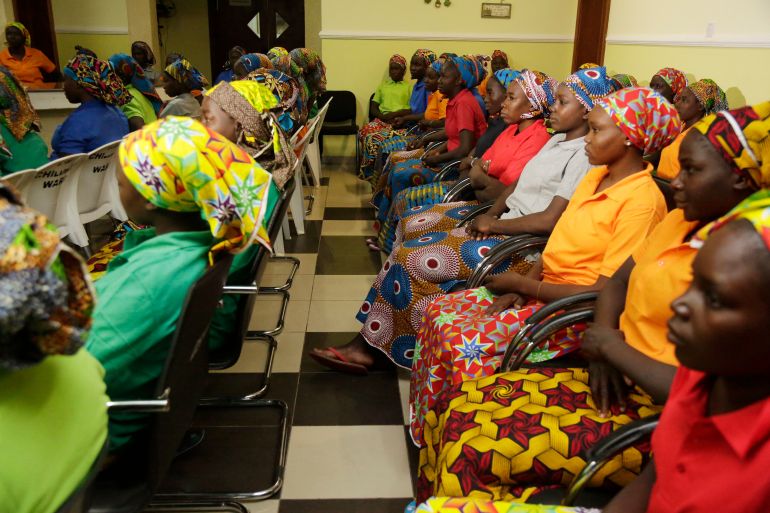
628,143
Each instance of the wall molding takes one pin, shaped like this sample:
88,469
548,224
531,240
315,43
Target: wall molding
689,41
92,30
437,36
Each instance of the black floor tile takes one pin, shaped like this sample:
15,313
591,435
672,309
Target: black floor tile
336,399
282,386
344,506
324,180
349,213
307,243
346,255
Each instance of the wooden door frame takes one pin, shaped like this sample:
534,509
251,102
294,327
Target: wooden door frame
590,32
23,16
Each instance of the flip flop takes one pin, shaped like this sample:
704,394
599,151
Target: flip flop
374,247
340,363
370,240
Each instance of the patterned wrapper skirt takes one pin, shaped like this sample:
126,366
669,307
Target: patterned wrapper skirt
379,137
465,505
508,436
97,264
424,267
402,176
405,201
379,178
458,341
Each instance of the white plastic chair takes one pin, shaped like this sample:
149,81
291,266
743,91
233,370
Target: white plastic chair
297,202
313,149
97,185
52,190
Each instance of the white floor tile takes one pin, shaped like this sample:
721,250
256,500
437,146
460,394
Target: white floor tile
356,227
266,311
341,288
334,316
287,358
306,266
301,287
347,462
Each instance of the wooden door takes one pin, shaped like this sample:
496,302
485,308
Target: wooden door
256,25
590,32
37,16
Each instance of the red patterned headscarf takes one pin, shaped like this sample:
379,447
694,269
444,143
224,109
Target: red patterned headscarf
501,54
709,95
398,59
648,120
674,78
429,56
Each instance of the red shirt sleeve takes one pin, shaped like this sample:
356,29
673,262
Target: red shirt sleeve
518,160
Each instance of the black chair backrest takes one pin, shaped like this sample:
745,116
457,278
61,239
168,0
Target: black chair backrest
343,108
184,375
80,500
369,106
229,352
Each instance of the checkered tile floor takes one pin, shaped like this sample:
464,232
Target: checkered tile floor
348,449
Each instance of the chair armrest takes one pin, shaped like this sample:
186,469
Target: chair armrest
536,335
562,304
241,289
600,454
457,191
449,170
413,129
430,146
501,252
159,405
474,213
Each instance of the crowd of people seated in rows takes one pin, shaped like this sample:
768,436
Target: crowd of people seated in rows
680,324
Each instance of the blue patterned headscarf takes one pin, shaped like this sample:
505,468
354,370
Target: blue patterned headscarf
185,73
254,61
470,67
590,84
506,75
130,72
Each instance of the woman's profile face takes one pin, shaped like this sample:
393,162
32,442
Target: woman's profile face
213,117
14,37
605,142
140,56
516,104
660,86
567,112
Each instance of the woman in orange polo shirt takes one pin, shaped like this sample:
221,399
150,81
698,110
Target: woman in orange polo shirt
26,63
612,211
587,404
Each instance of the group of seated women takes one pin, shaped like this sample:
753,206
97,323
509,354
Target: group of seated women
574,161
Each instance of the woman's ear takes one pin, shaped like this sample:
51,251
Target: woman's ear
149,206
742,182
585,114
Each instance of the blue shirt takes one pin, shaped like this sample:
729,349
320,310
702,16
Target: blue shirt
480,99
419,100
227,75
93,124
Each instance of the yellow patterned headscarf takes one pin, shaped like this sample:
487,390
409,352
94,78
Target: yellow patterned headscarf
755,209
742,137
180,165
23,30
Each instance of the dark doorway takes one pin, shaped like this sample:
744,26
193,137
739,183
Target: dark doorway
256,25
590,32
37,16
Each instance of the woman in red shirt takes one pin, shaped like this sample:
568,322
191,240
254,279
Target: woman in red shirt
29,65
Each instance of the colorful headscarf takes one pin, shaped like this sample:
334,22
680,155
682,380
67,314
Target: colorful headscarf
276,52
709,95
648,120
397,59
229,65
144,46
438,63
185,73
622,80
429,56
289,95
506,75
178,164
313,69
254,61
471,69
589,85
82,50
742,137
254,107
24,32
540,89
98,79
502,55
131,72
46,297
288,67
588,65
16,111
755,209
675,79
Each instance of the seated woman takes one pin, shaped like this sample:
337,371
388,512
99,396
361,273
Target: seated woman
626,343
314,73
145,103
287,91
277,52
700,99
283,62
184,84
53,404
498,61
21,146
427,269
171,58
187,182
251,62
29,65
98,120
613,210
143,55
228,69
528,98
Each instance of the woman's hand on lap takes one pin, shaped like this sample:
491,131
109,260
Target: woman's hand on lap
504,283
504,302
608,387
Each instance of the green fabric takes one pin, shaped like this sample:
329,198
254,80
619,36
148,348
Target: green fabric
139,300
53,423
139,106
393,96
29,153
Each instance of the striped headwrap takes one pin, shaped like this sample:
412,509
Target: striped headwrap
648,120
709,95
98,79
589,85
675,79
742,137
540,89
